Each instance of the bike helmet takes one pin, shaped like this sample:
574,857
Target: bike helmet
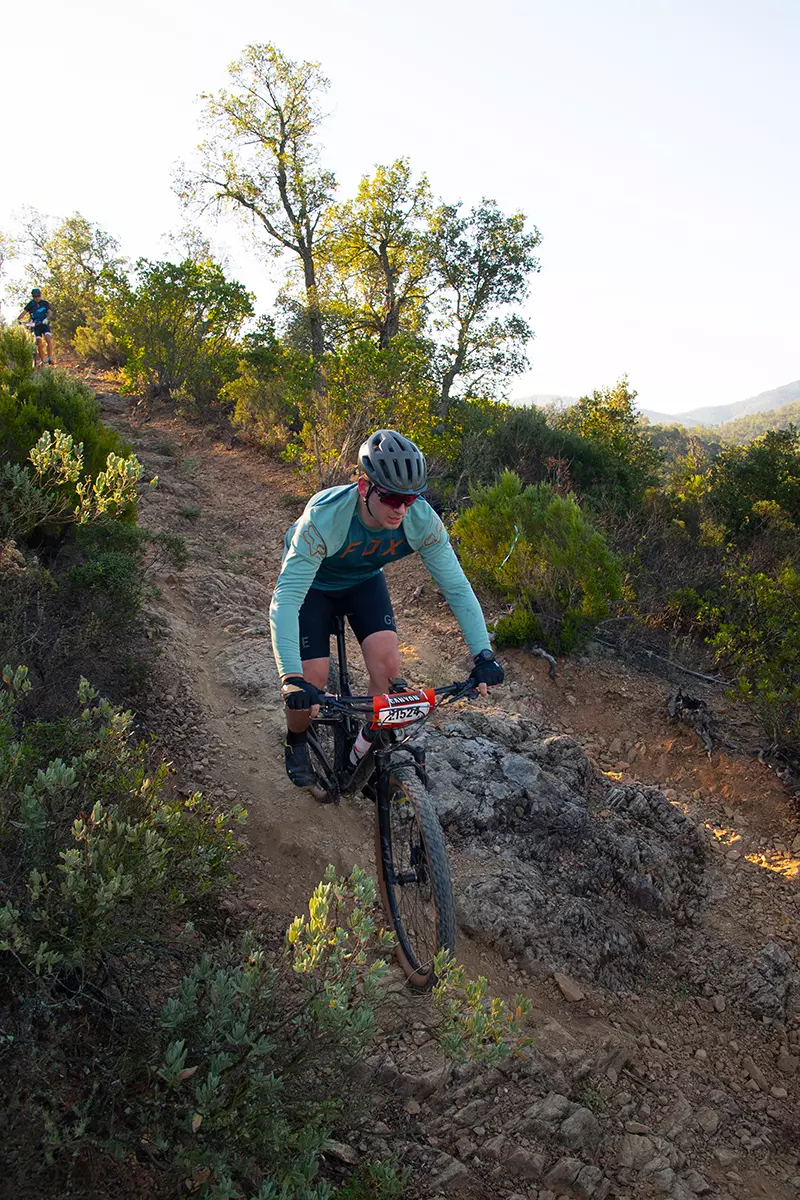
392,461
36,291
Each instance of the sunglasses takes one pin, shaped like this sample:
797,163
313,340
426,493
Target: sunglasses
394,499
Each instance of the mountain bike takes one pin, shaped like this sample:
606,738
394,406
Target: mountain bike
413,870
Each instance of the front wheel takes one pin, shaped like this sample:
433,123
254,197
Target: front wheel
414,876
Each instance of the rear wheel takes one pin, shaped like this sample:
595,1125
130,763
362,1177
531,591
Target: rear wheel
414,876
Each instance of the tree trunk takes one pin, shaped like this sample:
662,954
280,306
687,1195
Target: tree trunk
312,298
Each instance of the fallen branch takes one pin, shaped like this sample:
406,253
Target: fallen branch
668,661
538,652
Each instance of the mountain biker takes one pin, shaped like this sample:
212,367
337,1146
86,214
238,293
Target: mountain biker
38,311
333,566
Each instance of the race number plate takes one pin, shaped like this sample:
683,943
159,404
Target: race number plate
402,709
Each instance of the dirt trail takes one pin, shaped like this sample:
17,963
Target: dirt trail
216,709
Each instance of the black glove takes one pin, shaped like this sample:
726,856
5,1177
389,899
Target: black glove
298,693
487,670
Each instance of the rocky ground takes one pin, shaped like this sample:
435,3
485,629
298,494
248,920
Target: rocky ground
643,895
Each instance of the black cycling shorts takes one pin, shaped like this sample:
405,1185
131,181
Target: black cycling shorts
367,607
40,330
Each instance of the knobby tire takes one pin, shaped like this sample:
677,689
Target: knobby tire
423,912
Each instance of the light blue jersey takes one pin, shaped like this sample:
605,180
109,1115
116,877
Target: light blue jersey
329,547
364,553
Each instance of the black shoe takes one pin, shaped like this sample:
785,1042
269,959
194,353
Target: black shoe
298,764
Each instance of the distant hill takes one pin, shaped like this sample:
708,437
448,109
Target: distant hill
743,429
719,414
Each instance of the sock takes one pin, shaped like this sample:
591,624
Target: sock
294,739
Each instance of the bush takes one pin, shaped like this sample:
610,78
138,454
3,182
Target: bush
754,629
31,403
270,388
608,419
94,856
96,343
368,388
540,551
742,478
177,327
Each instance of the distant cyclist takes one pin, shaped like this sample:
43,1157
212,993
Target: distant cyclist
38,312
333,566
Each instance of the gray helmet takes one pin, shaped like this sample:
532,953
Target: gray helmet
392,461
36,291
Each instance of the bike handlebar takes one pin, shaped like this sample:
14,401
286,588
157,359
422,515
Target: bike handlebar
364,704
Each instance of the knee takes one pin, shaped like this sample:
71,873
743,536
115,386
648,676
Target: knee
318,675
387,665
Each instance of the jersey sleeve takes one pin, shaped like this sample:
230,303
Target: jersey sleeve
440,560
300,565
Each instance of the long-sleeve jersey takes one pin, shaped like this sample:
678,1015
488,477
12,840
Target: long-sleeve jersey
329,547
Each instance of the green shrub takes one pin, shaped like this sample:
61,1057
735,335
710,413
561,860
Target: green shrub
609,420
473,1027
539,550
178,326
754,629
94,856
31,403
96,343
57,491
742,478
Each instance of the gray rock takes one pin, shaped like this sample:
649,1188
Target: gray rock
524,1163
472,1113
635,1150
771,988
708,1119
494,1147
563,1174
454,1177
696,1183
581,1132
591,1184
569,889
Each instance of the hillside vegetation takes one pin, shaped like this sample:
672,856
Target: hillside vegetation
401,310
152,1041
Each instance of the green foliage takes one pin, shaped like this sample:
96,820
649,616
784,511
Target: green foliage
743,477
75,263
376,255
742,430
177,325
96,343
482,261
754,629
59,491
271,388
31,403
539,550
475,1028
609,419
94,856
367,388
255,1050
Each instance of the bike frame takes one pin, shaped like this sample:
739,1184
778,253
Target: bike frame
349,711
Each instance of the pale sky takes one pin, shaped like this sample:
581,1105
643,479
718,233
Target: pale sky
653,142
